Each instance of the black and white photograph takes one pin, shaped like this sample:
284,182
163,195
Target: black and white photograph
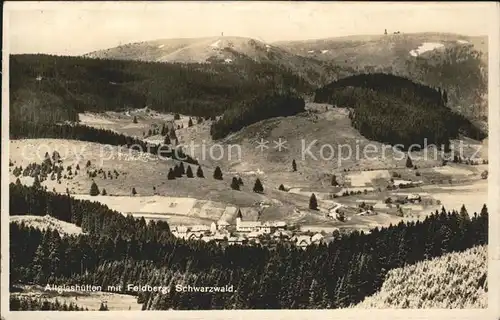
236,156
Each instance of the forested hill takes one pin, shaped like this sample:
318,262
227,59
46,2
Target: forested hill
396,110
249,112
121,249
45,88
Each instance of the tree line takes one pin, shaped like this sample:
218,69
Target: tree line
121,250
397,111
47,88
251,111
27,130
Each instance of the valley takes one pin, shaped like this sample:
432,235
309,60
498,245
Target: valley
316,174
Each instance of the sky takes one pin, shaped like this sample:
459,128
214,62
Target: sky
74,28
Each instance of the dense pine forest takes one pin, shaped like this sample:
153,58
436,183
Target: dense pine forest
255,110
63,86
397,111
121,250
454,280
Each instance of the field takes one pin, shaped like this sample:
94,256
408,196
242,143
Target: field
90,300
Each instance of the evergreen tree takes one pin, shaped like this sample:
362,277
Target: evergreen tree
409,163
103,306
181,169
190,122
294,165
313,202
104,192
167,140
258,187
464,215
484,211
217,173
177,171
133,191
172,133
177,116
18,182
235,184
135,119
171,174
281,187
36,183
189,172
334,181
240,181
88,163
94,190
199,172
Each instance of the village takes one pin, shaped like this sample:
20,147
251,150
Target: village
255,232
248,233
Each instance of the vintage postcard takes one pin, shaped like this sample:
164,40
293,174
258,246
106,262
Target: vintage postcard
219,160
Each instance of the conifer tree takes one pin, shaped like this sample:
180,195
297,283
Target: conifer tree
181,169
313,202
464,215
177,171
18,182
104,192
199,172
134,192
103,307
240,181
235,185
94,190
189,172
334,181
294,165
172,133
167,140
258,187
135,119
36,183
171,174
190,122
281,187
409,163
217,173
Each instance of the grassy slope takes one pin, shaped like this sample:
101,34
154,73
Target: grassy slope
64,228
237,49
456,280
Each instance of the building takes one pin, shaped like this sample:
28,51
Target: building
213,228
200,228
301,241
247,226
317,238
222,225
257,226
414,198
